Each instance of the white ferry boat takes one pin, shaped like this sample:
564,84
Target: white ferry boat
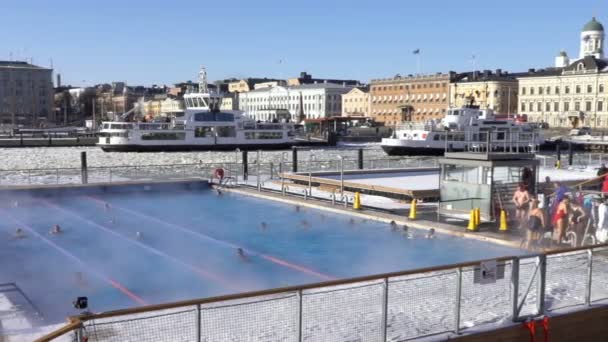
202,126
462,129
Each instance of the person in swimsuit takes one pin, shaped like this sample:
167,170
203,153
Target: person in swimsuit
521,199
19,233
241,254
577,219
560,219
393,225
56,230
536,223
431,234
263,225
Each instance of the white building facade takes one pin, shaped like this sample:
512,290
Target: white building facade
314,101
573,93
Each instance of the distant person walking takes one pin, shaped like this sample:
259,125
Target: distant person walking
603,170
521,199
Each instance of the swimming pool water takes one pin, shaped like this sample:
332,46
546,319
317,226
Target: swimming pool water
188,247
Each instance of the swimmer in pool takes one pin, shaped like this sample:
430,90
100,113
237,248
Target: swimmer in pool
297,207
139,236
107,206
407,233
263,225
56,230
19,233
219,192
393,225
431,234
241,254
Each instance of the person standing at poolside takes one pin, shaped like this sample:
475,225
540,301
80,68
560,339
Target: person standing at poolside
536,223
560,220
521,199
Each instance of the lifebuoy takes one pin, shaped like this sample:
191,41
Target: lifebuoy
219,173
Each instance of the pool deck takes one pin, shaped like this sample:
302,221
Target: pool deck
510,239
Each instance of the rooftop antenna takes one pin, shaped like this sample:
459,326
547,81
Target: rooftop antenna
202,80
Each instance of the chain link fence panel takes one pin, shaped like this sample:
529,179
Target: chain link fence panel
566,280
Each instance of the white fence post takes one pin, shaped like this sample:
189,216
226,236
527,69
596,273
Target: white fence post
458,295
198,322
515,288
299,315
589,276
542,274
384,309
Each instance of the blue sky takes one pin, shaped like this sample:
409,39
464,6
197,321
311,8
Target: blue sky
162,42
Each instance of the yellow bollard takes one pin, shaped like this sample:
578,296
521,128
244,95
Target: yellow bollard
412,215
357,201
477,217
472,226
558,164
503,221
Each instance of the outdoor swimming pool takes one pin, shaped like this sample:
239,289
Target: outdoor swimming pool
188,244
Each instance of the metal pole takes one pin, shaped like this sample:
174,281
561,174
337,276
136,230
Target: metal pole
258,177
57,175
458,295
515,289
300,315
236,165
542,274
198,322
384,309
589,276
360,159
342,176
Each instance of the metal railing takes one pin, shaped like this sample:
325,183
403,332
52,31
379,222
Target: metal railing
393,306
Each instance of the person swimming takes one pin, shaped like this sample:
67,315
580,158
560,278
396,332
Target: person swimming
241,254
393,225
218,191
263,225
19,233
431,234
107,206
297,207
56,230
139,236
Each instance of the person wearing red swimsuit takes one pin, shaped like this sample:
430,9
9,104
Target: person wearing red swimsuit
560,219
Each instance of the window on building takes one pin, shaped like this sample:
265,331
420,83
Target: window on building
548,90
589,88
601,88
523,107
588,106
523,90
600,106
540,90
531,91
567,89
539,107
556,107
548,106
566,106
557,90
578,89
577,106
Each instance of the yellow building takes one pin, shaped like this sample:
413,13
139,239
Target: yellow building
356,102
496,91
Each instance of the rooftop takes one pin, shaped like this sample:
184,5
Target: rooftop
593,25
19,64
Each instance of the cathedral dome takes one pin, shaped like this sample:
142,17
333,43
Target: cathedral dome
593,25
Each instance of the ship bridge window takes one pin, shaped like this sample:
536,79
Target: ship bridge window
163,136
210,116
263,135
226,131
203,132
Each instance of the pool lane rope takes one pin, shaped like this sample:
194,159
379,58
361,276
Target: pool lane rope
267,257
199,271
115,284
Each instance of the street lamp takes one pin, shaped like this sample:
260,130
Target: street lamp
341,175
